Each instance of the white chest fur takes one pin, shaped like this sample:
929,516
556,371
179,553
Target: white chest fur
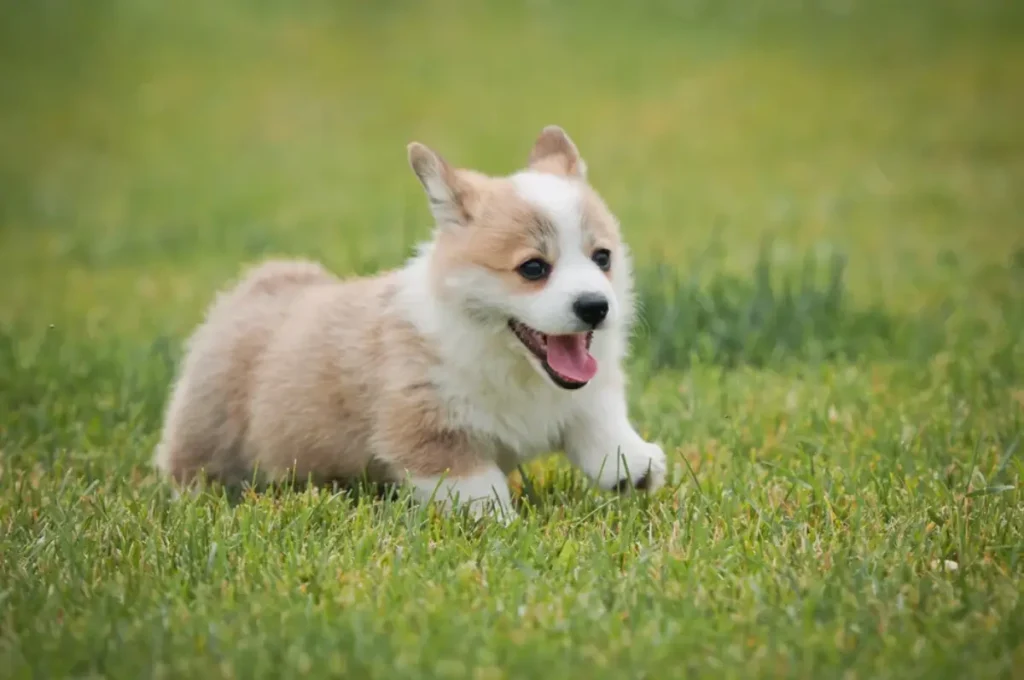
484,383
493,393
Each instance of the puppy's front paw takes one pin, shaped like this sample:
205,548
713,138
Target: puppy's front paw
642,469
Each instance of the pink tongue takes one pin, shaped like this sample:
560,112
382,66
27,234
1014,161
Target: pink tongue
568,357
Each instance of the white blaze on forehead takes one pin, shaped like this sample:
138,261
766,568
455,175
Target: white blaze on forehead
557,199
561,202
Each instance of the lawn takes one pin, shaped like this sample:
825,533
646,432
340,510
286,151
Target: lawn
826,205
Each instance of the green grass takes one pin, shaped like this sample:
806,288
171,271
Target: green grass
826,201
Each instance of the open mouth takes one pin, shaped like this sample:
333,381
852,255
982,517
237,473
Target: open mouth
565,358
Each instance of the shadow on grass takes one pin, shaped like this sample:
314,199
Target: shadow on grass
355,490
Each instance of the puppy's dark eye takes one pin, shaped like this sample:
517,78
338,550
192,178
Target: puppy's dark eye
603,259
534,270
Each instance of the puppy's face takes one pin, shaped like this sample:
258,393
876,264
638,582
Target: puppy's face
536,256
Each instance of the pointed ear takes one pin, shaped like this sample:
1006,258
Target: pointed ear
441,183
554,152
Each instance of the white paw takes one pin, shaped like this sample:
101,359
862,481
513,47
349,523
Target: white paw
484,494
641,467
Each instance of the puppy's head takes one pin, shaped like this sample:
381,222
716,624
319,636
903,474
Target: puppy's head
536,256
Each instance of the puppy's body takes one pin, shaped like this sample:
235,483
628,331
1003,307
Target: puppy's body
448,372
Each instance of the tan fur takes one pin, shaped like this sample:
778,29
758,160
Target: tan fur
554,152
277,379
601,229
296,372
505,231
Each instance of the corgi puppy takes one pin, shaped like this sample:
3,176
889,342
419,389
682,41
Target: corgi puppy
500,341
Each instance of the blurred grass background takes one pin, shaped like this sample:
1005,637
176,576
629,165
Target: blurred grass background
825,199
153,145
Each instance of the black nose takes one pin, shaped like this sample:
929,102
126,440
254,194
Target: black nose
591,308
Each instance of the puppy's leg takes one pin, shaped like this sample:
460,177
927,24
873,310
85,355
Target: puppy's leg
603,444
484,491
443,464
